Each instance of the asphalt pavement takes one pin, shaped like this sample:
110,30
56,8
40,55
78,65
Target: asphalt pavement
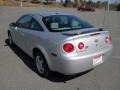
17,71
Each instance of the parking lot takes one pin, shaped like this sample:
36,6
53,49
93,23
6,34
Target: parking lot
17,70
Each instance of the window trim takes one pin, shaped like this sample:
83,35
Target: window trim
45,23
29,23
20,19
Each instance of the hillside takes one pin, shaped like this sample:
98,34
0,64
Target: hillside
17,3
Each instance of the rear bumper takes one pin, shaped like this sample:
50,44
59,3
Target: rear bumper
70,65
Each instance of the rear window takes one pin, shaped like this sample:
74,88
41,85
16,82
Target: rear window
59,23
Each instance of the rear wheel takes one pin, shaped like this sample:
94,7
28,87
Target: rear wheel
41,65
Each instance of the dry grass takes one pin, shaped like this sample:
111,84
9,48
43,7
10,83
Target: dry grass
6,2
2,2
25,4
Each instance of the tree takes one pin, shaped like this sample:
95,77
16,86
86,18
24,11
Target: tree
78,3
35,1
118,7
90,3
98,4
67,3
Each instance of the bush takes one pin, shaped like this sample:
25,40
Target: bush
35,1
118,7
2,2
68,3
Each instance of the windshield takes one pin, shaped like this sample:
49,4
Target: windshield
59,23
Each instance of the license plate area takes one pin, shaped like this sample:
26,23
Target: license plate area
97,60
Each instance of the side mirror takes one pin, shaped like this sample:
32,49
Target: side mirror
13,24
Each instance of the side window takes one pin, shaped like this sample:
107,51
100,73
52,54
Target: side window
36,26
24,22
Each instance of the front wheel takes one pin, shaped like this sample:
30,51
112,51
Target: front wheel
41,65
10,41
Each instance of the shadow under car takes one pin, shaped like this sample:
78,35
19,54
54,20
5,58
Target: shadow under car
28,61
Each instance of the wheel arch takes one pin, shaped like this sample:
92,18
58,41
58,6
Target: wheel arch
43,52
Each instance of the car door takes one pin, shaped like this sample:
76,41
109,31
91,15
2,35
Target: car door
23,24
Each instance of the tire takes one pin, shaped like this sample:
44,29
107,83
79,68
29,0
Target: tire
41,65
10,41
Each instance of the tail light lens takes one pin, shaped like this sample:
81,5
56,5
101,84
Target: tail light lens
81,45
68,47
108,39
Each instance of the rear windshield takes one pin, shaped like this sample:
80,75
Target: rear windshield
59,23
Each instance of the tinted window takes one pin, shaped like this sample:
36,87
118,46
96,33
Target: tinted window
35,25
24,22
64,23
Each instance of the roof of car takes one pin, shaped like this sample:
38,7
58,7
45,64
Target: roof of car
49,13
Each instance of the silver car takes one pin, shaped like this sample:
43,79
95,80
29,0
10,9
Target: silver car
60,42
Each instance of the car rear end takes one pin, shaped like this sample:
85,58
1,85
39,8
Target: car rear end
78,45
83,51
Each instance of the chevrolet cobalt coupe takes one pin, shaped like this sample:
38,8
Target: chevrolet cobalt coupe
60,42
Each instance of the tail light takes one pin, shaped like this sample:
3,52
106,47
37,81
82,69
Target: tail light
108,39
68,47
81,45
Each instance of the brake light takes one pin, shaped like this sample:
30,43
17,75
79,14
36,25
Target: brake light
81,45
108,39
68,47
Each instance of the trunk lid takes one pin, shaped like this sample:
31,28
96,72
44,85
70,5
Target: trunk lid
94,40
